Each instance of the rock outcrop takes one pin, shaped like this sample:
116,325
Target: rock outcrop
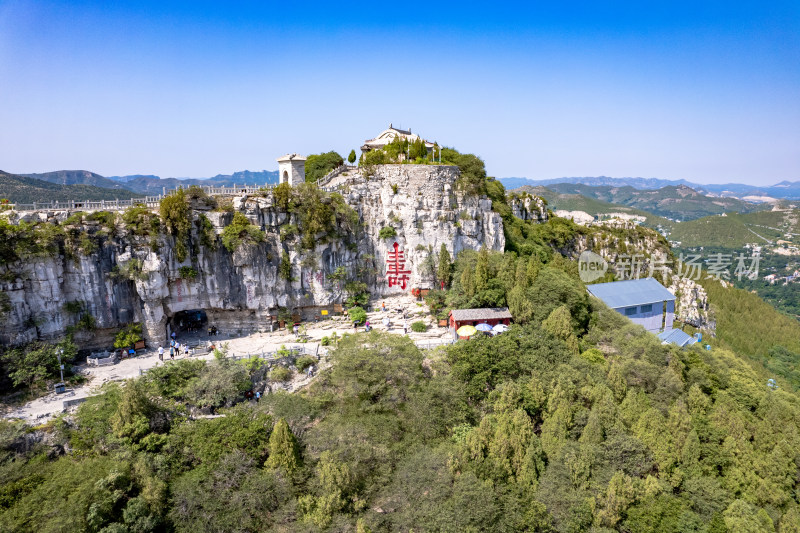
129,278
691,303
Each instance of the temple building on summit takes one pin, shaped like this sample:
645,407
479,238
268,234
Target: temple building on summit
390,134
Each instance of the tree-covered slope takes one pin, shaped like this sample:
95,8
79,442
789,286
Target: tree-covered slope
27,190
593,206
735,230
520,432
76,177
674,202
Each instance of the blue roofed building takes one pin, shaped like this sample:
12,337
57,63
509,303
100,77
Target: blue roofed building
676,337
644,301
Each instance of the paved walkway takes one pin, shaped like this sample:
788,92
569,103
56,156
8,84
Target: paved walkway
45,407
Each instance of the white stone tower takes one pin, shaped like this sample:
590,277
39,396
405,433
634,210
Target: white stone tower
292,169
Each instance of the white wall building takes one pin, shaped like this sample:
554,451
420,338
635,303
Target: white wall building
292,169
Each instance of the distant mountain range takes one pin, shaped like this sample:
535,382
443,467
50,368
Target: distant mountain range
783,190
674,202
148,184
22,189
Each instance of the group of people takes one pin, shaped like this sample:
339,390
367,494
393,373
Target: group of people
175,348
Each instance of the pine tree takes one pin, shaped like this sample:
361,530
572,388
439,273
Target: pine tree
522,274
482,270
519,305
559,324
533,269
507,274
593,430
445,266
468,282
352,157
284,451
617,382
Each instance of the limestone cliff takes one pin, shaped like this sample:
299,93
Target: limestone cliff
121,277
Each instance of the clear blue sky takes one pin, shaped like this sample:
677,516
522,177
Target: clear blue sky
706,91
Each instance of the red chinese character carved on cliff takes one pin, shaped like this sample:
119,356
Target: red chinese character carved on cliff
395,269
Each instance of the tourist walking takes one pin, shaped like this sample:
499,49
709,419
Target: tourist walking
405,327
160,353
172,352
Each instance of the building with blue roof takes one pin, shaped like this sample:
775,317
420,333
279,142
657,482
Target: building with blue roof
644,301
676,337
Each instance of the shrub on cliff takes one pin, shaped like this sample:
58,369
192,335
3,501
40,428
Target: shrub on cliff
387,232
139,220
240,231
177,219
317,165
128,336
472,179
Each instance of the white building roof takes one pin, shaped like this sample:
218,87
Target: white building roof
291,157
387,135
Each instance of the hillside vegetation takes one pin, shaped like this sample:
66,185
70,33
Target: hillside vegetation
735,230
75,177
27,190
674,202
512,433
753,328
592,206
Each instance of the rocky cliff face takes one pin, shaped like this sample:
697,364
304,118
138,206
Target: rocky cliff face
127,279
528,207
691,303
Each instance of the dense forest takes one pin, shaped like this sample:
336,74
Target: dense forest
518,432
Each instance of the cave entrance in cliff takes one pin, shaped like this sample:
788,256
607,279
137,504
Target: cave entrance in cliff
192,320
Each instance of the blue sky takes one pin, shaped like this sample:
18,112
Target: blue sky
705,91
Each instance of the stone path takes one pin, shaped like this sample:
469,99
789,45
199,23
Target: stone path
45,407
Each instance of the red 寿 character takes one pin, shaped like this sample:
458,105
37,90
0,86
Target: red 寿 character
395,270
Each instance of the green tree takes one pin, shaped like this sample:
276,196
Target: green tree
233,494
357,314
351,158
482,270
32,364
468,282
317,165
239,232
128,336
559,324
177,219
520,305
284,452
285,267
